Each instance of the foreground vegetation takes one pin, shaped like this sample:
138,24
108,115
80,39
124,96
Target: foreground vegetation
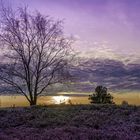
77,122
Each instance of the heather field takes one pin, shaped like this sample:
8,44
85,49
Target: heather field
75,122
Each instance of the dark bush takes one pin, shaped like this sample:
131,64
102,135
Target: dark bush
101,96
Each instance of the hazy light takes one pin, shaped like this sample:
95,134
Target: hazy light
60,99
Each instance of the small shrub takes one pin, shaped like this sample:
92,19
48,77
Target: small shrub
124,103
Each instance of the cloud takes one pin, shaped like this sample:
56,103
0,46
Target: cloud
104,50
111,73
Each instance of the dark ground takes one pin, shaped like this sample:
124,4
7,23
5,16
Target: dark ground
76,122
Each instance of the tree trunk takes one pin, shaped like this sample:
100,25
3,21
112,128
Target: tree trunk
33,102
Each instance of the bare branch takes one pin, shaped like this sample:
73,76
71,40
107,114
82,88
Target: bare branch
37,51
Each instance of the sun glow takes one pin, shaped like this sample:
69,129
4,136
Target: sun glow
61,99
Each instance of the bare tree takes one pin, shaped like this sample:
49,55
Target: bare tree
36,52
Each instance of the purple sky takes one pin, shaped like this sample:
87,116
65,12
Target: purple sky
102,28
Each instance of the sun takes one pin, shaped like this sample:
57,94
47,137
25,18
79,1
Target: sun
60,99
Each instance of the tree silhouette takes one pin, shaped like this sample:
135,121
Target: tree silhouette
36,52
101,96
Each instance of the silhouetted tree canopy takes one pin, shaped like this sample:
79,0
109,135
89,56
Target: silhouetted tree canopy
36,52
101,96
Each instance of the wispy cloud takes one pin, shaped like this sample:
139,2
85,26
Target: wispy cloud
116,22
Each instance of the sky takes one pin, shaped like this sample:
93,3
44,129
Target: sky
101,28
